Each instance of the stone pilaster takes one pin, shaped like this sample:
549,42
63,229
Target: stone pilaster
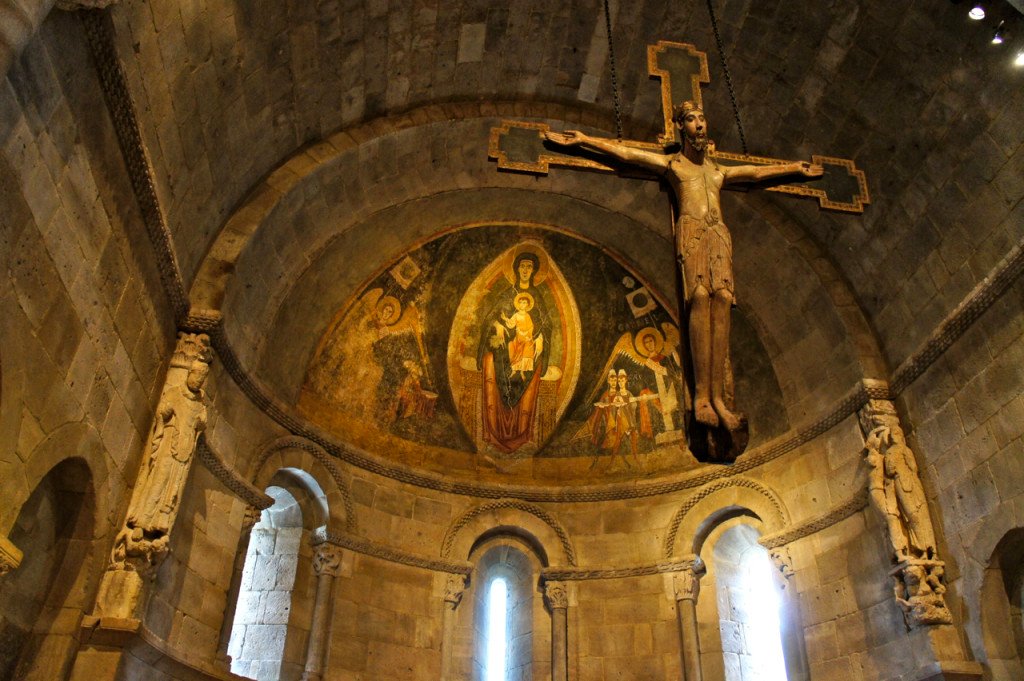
454,588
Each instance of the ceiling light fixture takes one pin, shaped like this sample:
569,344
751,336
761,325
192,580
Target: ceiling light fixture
1019,61
977,13
997,37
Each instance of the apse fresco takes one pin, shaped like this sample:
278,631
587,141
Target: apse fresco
504,343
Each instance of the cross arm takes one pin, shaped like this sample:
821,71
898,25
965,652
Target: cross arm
842,187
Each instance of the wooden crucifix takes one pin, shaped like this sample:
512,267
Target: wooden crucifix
696,172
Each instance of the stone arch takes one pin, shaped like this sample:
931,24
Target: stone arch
1002,600
719,501
218,266
71,440
510,516
45,597
299,454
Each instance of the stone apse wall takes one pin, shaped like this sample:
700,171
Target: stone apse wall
386,582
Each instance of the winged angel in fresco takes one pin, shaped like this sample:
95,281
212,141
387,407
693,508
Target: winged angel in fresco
638,403
377,343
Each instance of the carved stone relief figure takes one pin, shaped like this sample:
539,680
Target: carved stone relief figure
896,493
179,420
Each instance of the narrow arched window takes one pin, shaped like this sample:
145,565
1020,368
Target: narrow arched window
506,613
748,604
257,643
497,631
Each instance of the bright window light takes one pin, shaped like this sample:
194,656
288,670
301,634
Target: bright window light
497,630
764,643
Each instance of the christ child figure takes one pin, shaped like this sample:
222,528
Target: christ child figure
522,348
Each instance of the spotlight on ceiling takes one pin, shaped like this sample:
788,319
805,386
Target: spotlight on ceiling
977,12
1019,61
997,37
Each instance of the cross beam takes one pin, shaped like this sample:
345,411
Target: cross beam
681,68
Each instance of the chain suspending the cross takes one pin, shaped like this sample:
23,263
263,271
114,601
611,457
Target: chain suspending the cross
725,69
611,60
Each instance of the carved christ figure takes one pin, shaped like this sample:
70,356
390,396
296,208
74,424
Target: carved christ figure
703,243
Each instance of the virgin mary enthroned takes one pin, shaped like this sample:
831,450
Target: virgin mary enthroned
511,387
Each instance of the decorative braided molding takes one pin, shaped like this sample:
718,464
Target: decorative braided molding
580,574
854,505
99,32
518,504
230,478
327,461
673,530
534,493
369,548
962,317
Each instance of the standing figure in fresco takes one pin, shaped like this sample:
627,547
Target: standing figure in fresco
620,416
896,492
523,347
513,362
703,244
597,424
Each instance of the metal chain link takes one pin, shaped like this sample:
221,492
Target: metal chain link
611,60
725,68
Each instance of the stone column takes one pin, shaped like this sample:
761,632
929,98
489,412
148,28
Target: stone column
251,517
897,495
326,566
686,585
558,600
454,588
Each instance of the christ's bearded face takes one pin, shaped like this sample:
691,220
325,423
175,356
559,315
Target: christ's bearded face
695,127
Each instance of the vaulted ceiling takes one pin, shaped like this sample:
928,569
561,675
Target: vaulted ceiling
300,147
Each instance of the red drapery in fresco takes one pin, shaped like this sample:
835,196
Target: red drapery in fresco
507,428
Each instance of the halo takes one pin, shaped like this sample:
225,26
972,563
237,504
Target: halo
659,341
533,248
395,305
528,297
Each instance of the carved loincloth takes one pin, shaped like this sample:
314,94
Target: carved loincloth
706,250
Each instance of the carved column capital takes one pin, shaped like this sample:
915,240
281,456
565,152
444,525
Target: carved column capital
250,517
557,595
686,580
327,559
783,563
454,588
